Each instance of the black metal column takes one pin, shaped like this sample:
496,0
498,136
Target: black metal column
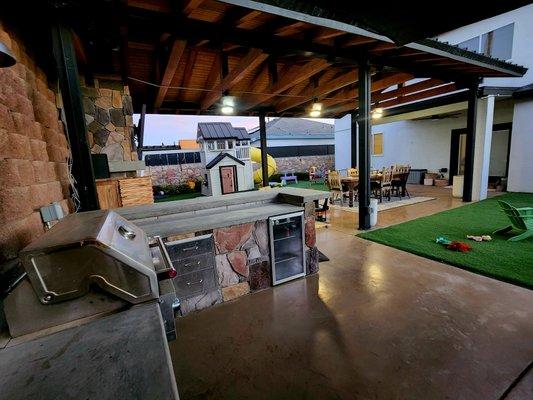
263,143
354,140
365,128
470,142
67,72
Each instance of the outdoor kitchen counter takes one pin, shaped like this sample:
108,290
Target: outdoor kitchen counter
121,356
204,213
178,224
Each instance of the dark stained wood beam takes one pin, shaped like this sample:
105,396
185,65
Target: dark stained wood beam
325,87
355,41
191,5
252,60
409,89
157,6
178,48
294,76
379,84
450,87
187,74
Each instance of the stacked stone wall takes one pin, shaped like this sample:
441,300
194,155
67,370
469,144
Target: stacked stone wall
34,150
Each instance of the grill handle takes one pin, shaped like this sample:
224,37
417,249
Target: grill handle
169,271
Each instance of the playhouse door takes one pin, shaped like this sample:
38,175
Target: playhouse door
227,179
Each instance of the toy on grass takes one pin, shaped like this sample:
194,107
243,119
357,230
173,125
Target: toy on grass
442,240
483,238
458,246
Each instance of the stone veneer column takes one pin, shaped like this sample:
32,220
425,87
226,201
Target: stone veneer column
109,119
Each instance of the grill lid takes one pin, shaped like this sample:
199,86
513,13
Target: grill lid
97,247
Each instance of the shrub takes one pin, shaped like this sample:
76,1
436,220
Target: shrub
171,190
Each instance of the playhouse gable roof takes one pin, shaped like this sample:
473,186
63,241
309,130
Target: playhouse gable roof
219,158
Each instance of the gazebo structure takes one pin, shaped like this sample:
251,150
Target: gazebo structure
264,58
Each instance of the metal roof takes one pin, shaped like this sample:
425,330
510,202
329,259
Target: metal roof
295,128
220,130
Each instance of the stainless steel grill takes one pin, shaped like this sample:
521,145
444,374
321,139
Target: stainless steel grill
83,250
98,247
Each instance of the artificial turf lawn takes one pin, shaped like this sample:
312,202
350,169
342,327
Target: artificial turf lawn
182,196
507,261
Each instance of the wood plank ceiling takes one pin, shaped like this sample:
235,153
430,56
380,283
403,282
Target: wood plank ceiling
183,58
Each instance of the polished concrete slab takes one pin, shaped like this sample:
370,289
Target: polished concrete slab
376,323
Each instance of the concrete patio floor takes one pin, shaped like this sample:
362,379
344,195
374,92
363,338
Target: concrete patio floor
376,323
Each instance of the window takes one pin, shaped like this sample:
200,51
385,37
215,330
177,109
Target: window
230,144
497,43
210,145
221,144
470,44
377,147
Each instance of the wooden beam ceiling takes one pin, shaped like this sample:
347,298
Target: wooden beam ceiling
294,76
325,88
178,48
252,60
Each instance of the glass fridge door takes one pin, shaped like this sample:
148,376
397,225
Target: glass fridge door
287,240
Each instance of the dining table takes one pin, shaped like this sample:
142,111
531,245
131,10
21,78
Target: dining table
351,182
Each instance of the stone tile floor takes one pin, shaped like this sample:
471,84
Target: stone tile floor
375,323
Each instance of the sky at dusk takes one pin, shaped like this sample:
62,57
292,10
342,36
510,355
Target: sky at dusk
168,129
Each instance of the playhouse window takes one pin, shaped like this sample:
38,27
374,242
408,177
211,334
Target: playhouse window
210,145
230,144
221,144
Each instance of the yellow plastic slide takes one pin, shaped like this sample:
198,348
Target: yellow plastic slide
255,156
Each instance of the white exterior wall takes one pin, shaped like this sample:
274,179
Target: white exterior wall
521,155
424,144
522,41
343,142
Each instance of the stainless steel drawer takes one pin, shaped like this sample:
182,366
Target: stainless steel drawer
195,283
193,264
191,247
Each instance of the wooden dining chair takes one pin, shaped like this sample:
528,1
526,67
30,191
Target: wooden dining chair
385,184
335,187
353,172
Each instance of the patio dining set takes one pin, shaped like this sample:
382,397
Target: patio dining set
384,183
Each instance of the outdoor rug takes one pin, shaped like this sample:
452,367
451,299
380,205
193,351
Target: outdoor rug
386,205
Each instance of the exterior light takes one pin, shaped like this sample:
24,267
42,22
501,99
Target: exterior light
316,110
377,113
228,105
227,110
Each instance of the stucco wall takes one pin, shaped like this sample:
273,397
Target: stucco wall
424,144
521,156
522,47
33,150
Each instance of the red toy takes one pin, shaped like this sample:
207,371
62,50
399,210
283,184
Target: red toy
458,246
